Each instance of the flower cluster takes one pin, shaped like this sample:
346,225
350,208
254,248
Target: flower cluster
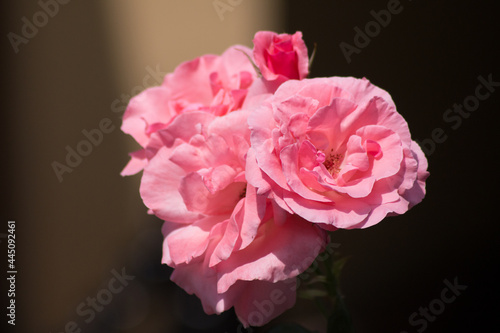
250,164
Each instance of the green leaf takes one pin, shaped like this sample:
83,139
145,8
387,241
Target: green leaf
257,70
316,279
312,293
289,328
313,54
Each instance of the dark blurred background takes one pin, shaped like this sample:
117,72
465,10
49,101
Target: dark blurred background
86,58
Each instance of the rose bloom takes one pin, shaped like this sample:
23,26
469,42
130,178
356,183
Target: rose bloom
213,84
281,57
336,152
228,245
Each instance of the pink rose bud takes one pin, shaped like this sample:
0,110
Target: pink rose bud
281,57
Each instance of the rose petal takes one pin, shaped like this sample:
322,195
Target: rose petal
293,248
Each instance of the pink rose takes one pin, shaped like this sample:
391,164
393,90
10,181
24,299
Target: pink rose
228,245
281,57
226,262
336,152
212,84
199,167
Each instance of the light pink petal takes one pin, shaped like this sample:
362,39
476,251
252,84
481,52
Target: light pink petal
234,130
185,126
311,179
242,227
138,161
361,90
197,198
309,156
289,157
149,107
254,210
260,91
159,189
246,79
277,196
380,212
409,171
166,229
358,188
417,192
226,244
278,252
237,96
377,112
389,162
235,67
327,120
254,174
298,125
188,157
384,200
262,301
286,109
355,156
202,281
191,241
267,159
194,71
218,178
322,90
341,212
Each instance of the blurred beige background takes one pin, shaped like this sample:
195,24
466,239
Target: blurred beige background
72,234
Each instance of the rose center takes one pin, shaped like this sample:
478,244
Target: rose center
332,162
243,193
